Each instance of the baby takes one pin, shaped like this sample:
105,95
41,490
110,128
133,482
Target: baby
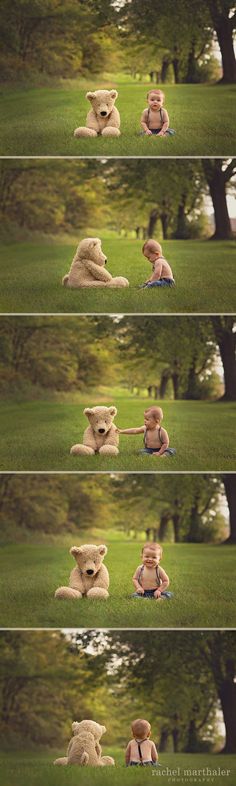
155,119
156,440
162,275
149,580
141,750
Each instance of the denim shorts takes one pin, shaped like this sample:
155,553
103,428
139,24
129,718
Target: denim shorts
150,594
168,451
145,764
163,282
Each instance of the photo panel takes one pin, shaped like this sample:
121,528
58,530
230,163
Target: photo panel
154,220
112,697
115,550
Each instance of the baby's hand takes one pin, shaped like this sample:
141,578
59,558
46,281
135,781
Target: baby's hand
157,593
148,132
140,591
118,430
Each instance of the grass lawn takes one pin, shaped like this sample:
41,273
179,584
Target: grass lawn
36,769
27,589
38,435
41,121
31,276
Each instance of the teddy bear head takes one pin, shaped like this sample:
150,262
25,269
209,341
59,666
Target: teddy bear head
100,418
102,101
89,558
89,726
91,248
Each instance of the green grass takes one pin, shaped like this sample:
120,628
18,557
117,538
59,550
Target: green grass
41,121
31,274
27,588
38,435
36,769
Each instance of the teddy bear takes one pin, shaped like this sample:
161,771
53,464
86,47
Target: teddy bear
84,748
90,577
101,435
88,267
104,117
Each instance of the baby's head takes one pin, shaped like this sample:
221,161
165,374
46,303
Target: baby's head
152,250
155,99
151,554
141,729
153,417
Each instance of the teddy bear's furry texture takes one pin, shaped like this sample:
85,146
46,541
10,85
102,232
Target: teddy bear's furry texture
88,267
90,578
84,748
103,118
101,435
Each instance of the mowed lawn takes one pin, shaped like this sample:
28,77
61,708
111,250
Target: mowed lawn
41,121
31,274
38,435
30,574
36,768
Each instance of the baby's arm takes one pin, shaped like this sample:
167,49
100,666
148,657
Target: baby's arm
157,271
136,584
165,442
127,753
144,122
154,753
131,430
164,583
165,124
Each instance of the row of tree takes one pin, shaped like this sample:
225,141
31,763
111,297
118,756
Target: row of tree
48,679
174,355
64,196
186,509
71,38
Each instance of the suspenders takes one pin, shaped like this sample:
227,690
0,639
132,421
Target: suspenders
140,576
148,116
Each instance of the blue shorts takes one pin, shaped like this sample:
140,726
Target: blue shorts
163,282
156,131
150,594
145,764
168,451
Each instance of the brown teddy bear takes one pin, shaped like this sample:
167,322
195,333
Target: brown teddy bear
84,748
101,435
88,267
103,118
90,578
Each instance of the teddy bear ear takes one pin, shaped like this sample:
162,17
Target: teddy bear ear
88,411
113,94
102,550
113,411
90,96
75,550
75,726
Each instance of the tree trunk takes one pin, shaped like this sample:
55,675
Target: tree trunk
226,343
152,222
164,69
156,392
164,223
175,63
195,522
163,525
175,382
164,382
230,491
176,525
191,392
224,31
191,73
182,231
217,188
165,732
228,703
192,741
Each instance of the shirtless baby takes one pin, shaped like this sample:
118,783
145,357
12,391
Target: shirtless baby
150,580
162,275
156,439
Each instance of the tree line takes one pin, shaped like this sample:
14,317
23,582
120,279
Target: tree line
55,197
165,356
188,509
50,678
71,38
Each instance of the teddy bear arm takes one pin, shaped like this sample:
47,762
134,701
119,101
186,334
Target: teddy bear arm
97,271
88,438
112,437
76,583
91,121
114,119
102,578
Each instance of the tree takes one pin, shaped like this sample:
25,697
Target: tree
223,17
218,174
224,332
230,492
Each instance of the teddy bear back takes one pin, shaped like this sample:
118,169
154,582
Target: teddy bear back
83,743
